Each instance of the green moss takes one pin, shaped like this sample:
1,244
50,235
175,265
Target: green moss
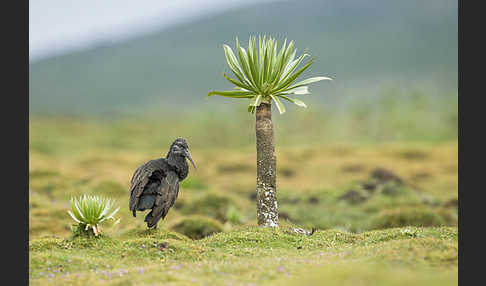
211,205
197,227
409,216
235,168
233,215
110,188
157,233
42,173
249,254
364,275
193,183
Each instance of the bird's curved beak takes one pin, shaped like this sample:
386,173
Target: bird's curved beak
188,155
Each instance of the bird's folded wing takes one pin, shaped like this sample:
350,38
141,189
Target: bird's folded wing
141,178
169,189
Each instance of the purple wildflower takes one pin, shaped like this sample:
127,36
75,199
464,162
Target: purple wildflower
281,268
50,275
69,261
141,271
143,245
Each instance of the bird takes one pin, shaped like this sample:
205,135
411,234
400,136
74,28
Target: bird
155,184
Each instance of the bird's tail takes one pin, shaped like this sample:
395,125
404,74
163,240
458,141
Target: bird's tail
148,217
152,220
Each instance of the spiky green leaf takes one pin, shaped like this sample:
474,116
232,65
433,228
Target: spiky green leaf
296,101
289,81
263,74
233,94
278,103
298,90
255,101
239,83
309,80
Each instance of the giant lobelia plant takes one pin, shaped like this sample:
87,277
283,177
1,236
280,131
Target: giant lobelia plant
264,75
89,212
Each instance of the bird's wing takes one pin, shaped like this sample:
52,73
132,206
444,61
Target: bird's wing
169,189
141,177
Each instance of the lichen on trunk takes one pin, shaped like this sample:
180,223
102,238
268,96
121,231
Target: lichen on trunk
266,188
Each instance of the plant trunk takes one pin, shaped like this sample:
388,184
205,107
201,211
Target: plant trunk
266,188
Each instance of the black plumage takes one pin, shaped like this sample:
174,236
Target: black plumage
155,184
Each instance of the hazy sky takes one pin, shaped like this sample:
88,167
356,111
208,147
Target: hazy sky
57,26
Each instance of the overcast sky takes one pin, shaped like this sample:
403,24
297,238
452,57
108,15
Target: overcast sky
58,26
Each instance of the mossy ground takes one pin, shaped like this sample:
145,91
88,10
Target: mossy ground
319,185
247,255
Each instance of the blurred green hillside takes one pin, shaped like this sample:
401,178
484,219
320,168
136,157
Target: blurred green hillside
367,47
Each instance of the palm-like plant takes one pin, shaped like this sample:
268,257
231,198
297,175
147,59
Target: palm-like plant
264,75
90,211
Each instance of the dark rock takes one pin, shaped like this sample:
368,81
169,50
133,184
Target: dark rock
413,155
235,168
369,186
164,245
284,215
353,197
452,203
286,172
313,200
290,200
352,168
382,175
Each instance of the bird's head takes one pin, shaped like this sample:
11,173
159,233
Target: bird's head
180,148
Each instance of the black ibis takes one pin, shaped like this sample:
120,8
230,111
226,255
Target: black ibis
155,184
